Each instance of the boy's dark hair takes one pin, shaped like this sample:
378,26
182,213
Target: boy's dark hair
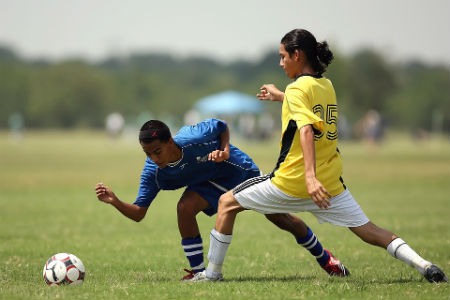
154,130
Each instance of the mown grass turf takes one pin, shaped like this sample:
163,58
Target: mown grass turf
47,205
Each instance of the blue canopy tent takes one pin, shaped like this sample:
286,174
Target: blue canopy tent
244,114
229,103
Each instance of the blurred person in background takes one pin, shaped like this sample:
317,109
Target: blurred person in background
370,128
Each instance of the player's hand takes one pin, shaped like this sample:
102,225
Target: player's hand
270,92
218,156
104,193
318,192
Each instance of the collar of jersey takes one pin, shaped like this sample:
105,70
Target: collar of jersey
307,74
173,164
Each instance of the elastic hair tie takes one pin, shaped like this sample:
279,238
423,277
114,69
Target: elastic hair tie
148,134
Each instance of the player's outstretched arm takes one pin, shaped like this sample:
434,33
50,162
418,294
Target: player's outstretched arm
132,211
270,92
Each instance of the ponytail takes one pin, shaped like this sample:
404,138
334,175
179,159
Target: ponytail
324,56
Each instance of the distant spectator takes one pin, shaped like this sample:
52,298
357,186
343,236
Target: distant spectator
114,124
266,125
370,127
16,126
344,128
247,126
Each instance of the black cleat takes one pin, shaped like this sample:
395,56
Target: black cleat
434,274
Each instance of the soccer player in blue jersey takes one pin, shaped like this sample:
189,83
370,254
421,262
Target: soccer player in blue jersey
201,159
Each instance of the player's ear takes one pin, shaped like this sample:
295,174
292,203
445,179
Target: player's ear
298,55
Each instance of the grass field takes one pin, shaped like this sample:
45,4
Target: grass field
47,205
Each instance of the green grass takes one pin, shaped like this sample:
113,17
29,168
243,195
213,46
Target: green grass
47,205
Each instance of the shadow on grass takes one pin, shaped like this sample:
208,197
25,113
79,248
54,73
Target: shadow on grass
266,278
391,281
350,279
270,278
357,280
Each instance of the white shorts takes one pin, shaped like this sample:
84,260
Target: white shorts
261,195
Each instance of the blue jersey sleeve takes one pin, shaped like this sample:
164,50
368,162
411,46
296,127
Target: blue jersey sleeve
205,131
148,188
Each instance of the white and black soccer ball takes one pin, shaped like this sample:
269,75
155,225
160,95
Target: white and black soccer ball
63,269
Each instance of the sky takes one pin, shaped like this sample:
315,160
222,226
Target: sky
400,30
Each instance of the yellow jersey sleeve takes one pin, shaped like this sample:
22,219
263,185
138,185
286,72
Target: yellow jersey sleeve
300,109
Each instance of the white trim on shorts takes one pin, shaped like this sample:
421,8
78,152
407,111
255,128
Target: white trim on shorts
261,195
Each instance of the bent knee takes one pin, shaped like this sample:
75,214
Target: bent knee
227,202
226,198
190,206
184,207
283,221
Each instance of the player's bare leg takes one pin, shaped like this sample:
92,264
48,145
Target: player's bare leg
308,240
188,207
374,235
289,223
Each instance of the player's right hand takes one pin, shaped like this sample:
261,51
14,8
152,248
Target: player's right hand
104,193
270,92
318,192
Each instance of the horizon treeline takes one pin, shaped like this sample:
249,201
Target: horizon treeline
75,93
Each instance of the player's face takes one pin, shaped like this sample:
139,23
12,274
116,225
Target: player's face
289,63
159,152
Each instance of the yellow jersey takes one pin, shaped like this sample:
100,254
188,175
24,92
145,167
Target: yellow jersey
309,100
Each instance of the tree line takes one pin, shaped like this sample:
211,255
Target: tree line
75,93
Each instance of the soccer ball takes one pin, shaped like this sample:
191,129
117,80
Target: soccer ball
64,268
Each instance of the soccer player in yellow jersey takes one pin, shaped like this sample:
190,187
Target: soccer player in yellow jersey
307,176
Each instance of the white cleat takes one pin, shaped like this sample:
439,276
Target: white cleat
201,276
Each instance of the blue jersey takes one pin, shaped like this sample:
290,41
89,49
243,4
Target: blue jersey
194,170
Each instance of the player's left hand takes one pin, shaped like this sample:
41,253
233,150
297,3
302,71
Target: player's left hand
218,156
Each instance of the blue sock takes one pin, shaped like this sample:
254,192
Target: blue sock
312,244
193,249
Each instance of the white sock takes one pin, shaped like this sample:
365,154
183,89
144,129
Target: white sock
398,248
217,250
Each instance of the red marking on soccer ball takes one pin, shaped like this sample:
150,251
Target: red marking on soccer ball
63,269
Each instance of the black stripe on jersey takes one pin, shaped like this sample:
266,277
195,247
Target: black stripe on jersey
250,182
340,178
342,181
286,143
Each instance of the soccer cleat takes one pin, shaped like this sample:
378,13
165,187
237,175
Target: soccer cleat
188,277
201,276
334,267
434,274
